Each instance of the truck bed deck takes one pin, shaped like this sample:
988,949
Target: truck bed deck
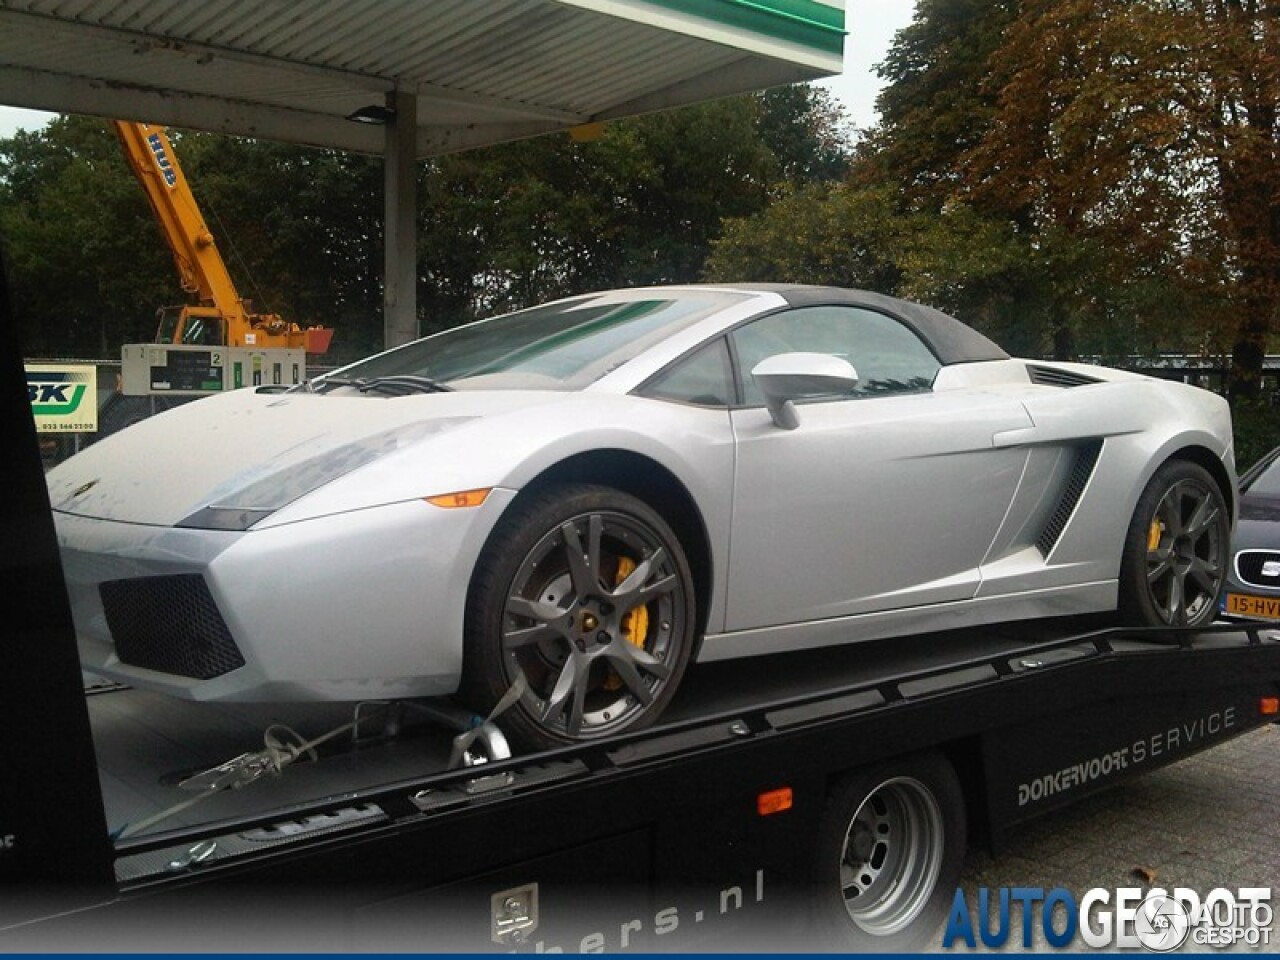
147,743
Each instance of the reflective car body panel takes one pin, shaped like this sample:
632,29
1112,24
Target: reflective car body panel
794,509
952,485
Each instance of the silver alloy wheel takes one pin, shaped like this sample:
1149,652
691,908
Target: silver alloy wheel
892,856
1186,554
595,622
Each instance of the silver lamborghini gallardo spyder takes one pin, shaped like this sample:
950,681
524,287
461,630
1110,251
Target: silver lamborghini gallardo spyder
587,496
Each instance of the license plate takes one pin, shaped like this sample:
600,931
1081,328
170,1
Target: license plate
1261,608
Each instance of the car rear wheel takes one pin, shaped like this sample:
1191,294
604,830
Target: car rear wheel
889,853
1177,550
585,593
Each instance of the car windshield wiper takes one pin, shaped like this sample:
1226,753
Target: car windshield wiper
402,384
398,385
324,384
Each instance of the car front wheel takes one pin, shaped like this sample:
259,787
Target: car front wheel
1176,551
584,593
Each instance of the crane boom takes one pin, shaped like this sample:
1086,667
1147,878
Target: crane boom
221,316
201,269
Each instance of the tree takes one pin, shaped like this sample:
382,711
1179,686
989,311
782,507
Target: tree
1093,177
511,225
898,224
1070,289
823,234
851,235
803,127
935,105
1146,130
86,267
300,228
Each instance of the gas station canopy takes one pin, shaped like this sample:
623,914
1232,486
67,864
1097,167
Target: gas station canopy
473,72
406,79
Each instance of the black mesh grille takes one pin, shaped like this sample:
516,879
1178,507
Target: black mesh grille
1086,458
170,624
1052,377
1255,565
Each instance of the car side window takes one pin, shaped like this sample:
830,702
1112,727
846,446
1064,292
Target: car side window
888,357
704,378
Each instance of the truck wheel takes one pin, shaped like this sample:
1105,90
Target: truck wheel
890,850
585,592
1176,550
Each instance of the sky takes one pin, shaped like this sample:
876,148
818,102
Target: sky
871,25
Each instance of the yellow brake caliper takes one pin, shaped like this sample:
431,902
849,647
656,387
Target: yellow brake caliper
635,625
1153,536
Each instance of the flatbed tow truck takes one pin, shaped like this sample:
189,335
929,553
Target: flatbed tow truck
794,803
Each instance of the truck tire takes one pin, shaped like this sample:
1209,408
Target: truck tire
890,848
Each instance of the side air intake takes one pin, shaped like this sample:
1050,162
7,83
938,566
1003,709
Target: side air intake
1086,458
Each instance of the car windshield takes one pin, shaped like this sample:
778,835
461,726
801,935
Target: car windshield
560,346
1266,483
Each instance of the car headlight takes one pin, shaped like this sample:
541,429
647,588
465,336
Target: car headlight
262,497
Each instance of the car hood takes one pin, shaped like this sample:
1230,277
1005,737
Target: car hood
255,452
1262,510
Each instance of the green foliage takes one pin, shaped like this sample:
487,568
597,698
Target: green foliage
1002,108
86,266
1095,178
1256,425
817,234
549,217
935,106
301,229
803,128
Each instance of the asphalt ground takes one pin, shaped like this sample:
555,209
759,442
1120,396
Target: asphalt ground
1206,822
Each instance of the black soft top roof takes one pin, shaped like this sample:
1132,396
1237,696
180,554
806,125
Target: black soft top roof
950,340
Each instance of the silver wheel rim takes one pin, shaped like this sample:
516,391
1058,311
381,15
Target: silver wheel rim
892,856
595,620
1186,554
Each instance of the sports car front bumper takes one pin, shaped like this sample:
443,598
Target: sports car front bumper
367,604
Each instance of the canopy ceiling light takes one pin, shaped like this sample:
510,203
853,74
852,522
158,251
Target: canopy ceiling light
374,113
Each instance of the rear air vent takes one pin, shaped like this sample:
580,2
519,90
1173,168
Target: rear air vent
1086,457
1054,377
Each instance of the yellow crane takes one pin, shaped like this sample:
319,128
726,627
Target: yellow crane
220,317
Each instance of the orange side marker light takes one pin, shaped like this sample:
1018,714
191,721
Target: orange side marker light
774,801
1269,706
463,498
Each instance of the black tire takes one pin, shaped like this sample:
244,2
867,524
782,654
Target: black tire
586,591
1176,551
890,849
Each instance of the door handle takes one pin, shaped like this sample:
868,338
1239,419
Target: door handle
1014,438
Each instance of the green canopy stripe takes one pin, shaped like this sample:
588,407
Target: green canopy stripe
804,22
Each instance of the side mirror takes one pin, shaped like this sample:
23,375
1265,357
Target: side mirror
787,377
